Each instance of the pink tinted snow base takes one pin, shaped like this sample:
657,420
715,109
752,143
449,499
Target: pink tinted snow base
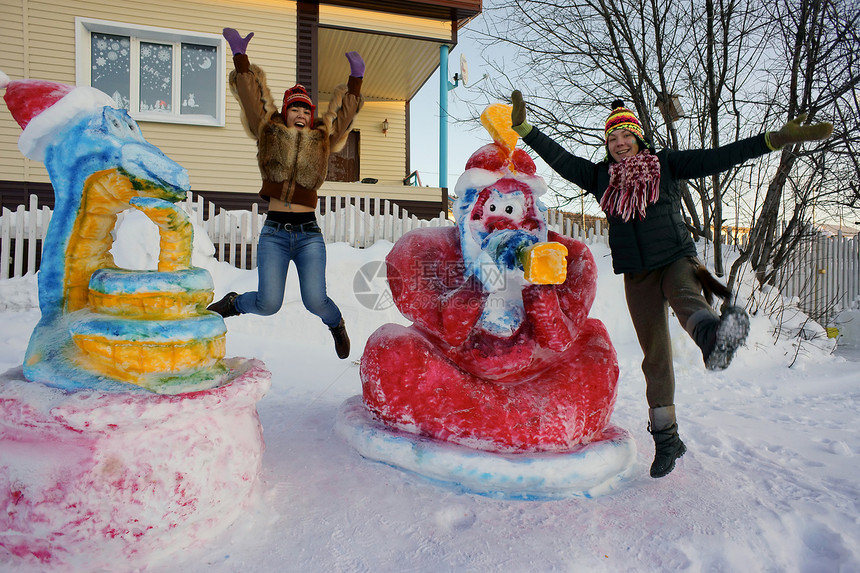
93,480
549,387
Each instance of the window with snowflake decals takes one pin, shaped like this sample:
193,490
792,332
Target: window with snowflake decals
157,74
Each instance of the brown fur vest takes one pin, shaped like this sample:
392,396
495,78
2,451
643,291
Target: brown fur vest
292,155
293,163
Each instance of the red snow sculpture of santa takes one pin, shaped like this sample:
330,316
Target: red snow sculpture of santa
498,358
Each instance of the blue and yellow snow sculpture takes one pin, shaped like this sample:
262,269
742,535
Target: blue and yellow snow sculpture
104,327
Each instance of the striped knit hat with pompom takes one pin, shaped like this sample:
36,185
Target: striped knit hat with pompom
623,118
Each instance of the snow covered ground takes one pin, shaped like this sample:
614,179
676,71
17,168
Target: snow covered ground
769,482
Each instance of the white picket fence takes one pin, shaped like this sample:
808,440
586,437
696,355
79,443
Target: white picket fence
824,277
235,233
24,227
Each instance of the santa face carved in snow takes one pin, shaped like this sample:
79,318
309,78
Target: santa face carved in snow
503,218
508,204
492,360
502,223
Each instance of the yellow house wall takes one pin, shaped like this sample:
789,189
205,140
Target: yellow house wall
383,157
12,163
39,43
380,22
217,158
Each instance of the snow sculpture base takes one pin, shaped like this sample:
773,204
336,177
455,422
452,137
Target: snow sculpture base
586,471
94,480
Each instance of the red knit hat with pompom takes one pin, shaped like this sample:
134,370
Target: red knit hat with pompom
298,94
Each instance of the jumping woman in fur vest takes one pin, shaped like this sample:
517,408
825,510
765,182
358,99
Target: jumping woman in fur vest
293,149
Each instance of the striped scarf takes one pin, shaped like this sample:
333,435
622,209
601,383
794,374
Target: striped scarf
634,183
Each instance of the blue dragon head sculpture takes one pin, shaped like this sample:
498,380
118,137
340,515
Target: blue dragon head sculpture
101,326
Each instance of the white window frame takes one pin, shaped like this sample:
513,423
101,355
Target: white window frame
84,27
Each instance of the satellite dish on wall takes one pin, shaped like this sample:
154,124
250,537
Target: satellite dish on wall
464,69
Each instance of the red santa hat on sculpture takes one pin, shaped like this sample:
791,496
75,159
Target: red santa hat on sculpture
498,160
502,178
42,108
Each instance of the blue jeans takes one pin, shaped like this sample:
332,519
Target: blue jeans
274,252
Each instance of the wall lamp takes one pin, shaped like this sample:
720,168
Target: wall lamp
385,127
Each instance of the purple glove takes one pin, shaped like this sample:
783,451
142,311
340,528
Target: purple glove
356,65
237,43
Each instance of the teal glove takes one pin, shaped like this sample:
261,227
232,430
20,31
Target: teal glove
794,132
518,114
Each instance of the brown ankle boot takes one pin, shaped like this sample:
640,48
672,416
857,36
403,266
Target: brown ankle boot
341,340
226,307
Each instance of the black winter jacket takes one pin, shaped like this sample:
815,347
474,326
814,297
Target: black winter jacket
662,237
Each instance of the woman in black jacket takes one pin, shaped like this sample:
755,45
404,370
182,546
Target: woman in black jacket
651,246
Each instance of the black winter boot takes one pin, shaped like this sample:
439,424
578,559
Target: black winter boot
226,307
341,340
730,334
668,446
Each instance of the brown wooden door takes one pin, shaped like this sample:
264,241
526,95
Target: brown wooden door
343,166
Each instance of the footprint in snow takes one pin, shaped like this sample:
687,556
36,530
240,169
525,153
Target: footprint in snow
455,518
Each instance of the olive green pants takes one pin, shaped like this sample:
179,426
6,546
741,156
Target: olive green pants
649,294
